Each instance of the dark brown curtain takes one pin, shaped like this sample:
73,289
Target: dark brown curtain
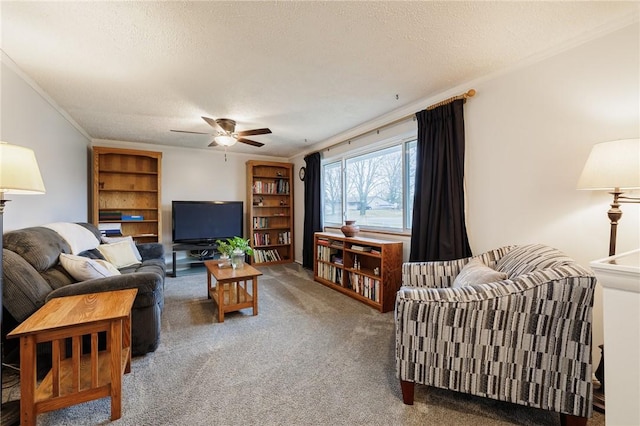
438,230
312,221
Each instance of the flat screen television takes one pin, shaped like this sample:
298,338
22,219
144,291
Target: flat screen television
204,222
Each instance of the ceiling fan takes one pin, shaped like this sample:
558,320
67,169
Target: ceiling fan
226,134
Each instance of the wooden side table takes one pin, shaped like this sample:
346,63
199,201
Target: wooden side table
231,292
80,377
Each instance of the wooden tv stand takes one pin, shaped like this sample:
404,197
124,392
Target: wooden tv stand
192,247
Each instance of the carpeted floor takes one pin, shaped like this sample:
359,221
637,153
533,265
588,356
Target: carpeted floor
311,357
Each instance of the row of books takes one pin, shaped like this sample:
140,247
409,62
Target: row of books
330,273
264,238
110,229
280,186
284,237
260,222
365,286
113,215
327,242
261,239
266,256
325,253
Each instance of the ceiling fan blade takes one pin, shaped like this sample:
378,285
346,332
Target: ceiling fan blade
254,132
211,122
186,131
250,142
213,143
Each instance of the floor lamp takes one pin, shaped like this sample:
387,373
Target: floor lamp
613,166
19,174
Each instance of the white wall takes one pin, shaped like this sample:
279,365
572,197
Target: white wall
28,119
528,136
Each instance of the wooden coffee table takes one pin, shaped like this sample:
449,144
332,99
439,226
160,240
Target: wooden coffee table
231,291
80,377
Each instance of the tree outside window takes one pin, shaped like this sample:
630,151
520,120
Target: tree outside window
375,190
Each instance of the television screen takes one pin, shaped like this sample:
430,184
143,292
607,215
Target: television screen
206,221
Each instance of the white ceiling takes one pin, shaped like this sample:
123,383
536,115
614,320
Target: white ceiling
131,71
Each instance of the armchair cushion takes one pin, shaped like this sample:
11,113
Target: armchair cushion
476,272
528,258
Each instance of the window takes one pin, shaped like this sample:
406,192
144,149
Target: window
377,187
332,194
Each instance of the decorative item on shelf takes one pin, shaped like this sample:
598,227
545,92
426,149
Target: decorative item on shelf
350,229
235,248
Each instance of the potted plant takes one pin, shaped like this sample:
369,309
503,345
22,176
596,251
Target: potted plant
235,248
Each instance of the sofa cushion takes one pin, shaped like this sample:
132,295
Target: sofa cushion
82,268
476,272
119,254
129,238
24,290
78,237
39,246
533,257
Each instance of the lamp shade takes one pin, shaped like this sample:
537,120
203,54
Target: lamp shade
19,172
225,140
614,164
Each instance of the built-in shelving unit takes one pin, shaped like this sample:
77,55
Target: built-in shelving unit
367,269
126,193
270,211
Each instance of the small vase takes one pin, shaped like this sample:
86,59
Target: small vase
350,229
225,261
237,259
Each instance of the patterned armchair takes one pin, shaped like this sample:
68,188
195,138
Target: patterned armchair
525,339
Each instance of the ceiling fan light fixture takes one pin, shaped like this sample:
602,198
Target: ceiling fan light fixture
225,140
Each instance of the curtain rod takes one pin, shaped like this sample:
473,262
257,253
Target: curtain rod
468,94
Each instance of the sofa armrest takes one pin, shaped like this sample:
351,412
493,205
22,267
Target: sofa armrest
151,251
149,287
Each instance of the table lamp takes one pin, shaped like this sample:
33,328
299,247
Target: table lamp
19,174
613,166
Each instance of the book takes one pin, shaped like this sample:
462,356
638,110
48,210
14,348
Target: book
360,248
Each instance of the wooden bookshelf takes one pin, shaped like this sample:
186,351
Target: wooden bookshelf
270,211
367,269
126,192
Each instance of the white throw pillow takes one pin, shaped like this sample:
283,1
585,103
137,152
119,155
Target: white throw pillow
111,240
476,272
83,268
119,254
77,236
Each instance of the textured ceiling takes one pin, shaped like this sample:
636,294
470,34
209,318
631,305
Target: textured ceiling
132,71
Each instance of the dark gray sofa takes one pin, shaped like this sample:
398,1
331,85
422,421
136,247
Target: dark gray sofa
33,275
